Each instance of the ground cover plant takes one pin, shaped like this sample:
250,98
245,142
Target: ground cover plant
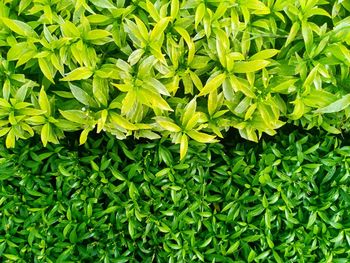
180,69
283,200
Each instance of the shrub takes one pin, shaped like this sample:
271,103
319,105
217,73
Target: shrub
184,69
285,200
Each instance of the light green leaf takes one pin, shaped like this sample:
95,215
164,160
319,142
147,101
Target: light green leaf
299,109
103,4
336,106
69,29
201,137
183,146
100,90
10,139
78,74
249,66
44,102
45,133
83,136
159,28
80,94
167,124
307,35
292,33
213,84
200,12
19,27
174,8
152,11
76,116
191,47
122,122
264,54
46,69
97,34
189,111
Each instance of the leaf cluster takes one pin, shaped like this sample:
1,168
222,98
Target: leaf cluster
180,69
284,200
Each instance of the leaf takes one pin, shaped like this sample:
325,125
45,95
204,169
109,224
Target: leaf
152,11
191,47
174,8
213,102
46,69
80,95
100,90
97,34
292,33
233,247
44,102
131,229
11,257
45,133
299,109
103,4
183,146
76,116
249,66
307,35
189,111
159,28
212,84
83,136
135,56
201,137
200,12
285,86
312,219
19,27
158,86
122,122
69,29
10,139
167,124
336,106
264,54
78,74
143,31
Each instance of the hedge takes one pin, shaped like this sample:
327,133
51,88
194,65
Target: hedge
283,200
179,69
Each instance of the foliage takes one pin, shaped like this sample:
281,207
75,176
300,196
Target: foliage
285,200
131,67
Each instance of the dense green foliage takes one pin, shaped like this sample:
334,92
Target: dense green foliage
285,200
185,69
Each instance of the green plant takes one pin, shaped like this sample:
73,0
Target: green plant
125,67
282,200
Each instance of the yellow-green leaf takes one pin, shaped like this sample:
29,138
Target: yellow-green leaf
213,84
44,102
265,54
249,66
189,111
10,139
78,74
183,146
46,69
83,136
201,137
167,124
45,133
19,27
159,28
122,122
